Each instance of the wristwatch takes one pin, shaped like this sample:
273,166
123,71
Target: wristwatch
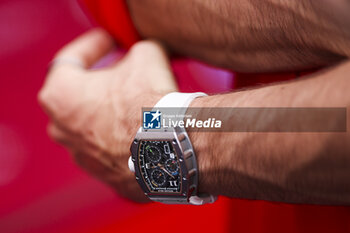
164,161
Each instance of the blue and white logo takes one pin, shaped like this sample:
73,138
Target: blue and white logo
152,119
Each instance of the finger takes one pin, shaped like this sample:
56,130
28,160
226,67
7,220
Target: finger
80,152
150,51
86,50
59,135
124,184
152,60
66,137
93,164
76,143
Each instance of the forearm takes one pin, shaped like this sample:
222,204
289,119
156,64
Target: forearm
250,36
288,167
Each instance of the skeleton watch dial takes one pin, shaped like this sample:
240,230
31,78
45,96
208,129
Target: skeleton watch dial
159,166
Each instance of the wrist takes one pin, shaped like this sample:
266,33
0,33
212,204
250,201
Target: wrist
206,156
132,117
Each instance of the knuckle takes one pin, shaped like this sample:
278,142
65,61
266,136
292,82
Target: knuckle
49,99
43,97
146,46
59,92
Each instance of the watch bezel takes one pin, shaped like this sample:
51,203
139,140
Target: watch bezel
187,183
178,160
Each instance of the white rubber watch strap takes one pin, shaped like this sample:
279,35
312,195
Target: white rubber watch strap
178,100
181,101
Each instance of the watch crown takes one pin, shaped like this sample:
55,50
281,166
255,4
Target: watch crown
131,165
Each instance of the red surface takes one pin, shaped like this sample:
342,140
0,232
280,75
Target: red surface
42,190
114,11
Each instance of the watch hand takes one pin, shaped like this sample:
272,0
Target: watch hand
161,167
168,173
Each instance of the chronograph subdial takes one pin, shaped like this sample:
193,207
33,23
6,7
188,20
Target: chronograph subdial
153,154
158,177
160,167
172,166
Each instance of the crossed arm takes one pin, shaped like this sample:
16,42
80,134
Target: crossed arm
95,113
249,35
287,167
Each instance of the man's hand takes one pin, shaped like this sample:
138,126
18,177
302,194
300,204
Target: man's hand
96,113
